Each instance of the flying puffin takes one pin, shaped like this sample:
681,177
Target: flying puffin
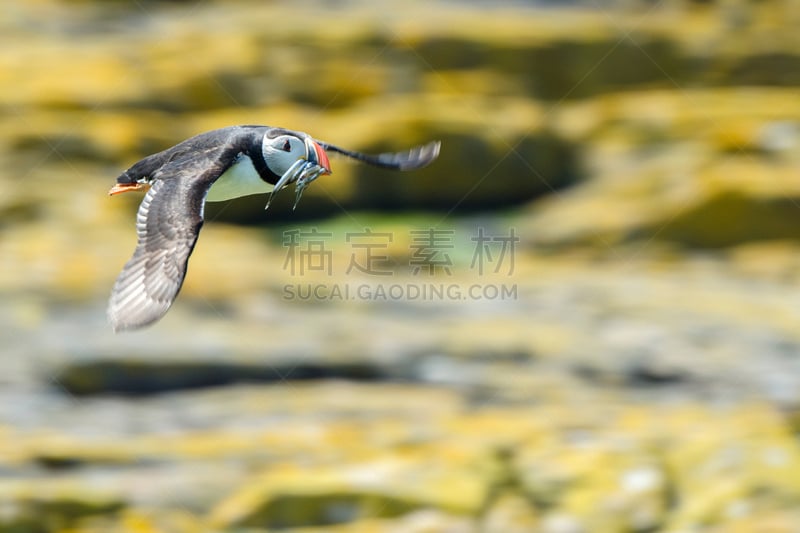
213,166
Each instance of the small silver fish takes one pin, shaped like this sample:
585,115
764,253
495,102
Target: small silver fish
310,172
289,176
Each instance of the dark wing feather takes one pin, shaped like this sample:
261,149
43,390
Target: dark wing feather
412,159
168,223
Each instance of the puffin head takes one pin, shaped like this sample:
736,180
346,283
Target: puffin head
283,150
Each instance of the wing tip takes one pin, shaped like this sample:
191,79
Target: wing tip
429,153
133,315
119,322
420,156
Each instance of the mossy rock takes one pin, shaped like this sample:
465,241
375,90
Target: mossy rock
572,69
144,520
134,377
202,92
730,218
472,172
749,461
35,510
777,69
292,510
341,78
290,497
563,66
246,59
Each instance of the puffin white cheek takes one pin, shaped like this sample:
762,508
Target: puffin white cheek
266,149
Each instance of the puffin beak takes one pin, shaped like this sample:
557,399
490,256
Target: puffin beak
304,170
316,154
120,188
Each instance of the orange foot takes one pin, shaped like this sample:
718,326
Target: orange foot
120,188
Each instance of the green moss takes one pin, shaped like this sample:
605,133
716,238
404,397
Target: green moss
732,217
47,511
388,488
293,510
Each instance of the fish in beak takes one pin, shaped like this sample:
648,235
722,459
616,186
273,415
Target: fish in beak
304,171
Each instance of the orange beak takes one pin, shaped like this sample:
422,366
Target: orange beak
120,188
318,156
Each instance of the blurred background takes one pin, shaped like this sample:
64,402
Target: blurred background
582,318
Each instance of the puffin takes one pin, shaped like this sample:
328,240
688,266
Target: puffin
214,166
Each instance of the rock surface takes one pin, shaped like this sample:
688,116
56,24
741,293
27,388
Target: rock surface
604,340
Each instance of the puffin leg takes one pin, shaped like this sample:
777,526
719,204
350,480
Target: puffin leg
120,188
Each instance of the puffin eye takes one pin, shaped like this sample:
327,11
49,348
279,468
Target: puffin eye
287,146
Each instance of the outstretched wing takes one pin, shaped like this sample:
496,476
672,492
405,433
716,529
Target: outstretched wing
168,223
412,159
